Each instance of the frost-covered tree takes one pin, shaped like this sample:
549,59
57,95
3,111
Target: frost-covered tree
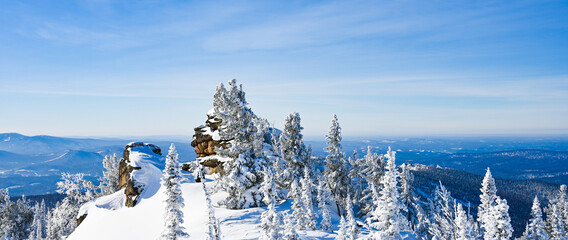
352,229
408,197
39,223
556,230
387,218
292,150
289,232
297,206
372,170
535,228
270,220
307,203
358,185
15,217
342,231
171,180
62,219
443,210
558,216
336,171
109,182
465,225
492,214
241,159
323,199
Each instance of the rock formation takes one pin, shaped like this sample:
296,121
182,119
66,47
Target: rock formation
206,139
129,165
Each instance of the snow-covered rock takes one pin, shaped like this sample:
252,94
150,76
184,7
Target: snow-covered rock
140,171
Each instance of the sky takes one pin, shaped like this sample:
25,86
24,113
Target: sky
386,68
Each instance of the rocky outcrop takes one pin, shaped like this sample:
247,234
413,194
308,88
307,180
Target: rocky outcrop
128,165
206,139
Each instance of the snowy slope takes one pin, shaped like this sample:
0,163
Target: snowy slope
145,220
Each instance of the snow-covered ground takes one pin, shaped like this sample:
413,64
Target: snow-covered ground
145,220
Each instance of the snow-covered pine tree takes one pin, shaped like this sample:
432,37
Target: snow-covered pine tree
292,150
535,228
372,171
323,198
336,171
270,220
560,215
297,208
556,230
408,196
442,208
342,231
492,215
307,186
109,182
241,161
387,219
289,232
171,180
352,229
39,223
465,226
213,228
15,217
357,179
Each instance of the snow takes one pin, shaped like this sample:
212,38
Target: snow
107,219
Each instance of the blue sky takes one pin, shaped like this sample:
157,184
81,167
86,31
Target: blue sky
421,68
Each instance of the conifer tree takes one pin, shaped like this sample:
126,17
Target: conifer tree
372,171
352,229
297,208
408,197
109,182
307,186
556,231
289,229
560,215
241,159
292,150
38,227
443,205
270,220
336,171
535,229
171,180
465,226
323,198
342,232
493,215
387,217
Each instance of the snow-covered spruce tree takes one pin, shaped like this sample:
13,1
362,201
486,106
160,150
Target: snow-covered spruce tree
241,161
408,197
270,220
560,215
372,171
465,226
556,230
171,180
352,229
289,232
387,219
342,231
492,215
442,208
39,223
357,186
292,150
297,206
323,198
336,171
15,217
213,228
109,182
307,186
535,228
